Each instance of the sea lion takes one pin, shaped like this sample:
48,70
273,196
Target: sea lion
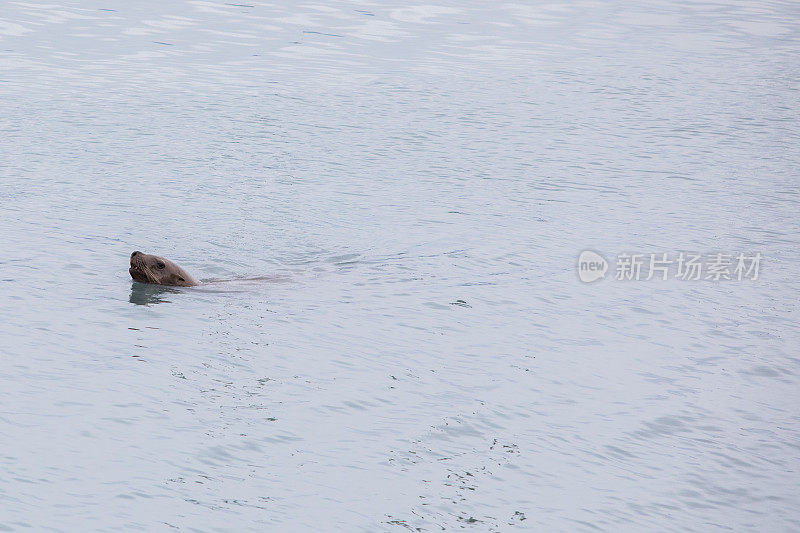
154,269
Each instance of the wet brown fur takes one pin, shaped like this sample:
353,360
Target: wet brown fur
147,268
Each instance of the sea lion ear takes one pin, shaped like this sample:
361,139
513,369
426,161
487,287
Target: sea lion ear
181,279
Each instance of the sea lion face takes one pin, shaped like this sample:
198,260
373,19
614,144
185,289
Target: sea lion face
147,268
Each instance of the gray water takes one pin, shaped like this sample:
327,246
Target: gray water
416,183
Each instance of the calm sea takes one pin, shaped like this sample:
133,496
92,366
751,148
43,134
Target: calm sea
416,182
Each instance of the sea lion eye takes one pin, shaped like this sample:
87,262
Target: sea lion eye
160,264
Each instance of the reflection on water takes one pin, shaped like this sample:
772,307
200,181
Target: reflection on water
149,293
425,176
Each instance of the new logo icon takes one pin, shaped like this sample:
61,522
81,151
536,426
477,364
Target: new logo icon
591,266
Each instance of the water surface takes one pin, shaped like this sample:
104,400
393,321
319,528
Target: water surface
421,178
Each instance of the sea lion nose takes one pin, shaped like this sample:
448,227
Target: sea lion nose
134,254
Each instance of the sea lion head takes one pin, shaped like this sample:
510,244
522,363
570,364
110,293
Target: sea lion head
147,268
